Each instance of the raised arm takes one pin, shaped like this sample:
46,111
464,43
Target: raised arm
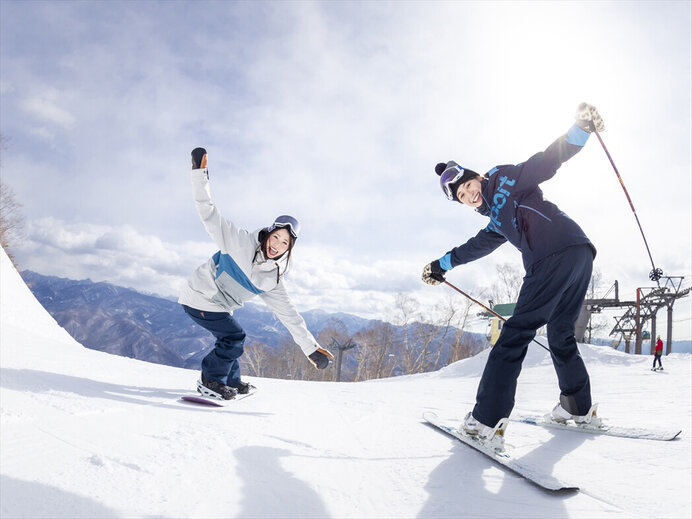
543,165
226,235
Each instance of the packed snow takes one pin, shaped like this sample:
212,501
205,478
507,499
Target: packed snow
88,434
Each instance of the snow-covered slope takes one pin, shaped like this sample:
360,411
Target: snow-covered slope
87,434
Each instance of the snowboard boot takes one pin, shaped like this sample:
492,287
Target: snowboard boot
243,388
215,389
493,437
560,415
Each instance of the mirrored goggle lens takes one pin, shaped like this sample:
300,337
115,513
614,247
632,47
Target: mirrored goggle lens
288,221
449,177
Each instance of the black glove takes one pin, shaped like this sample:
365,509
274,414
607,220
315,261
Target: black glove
320,358
433,273
199,158
588,118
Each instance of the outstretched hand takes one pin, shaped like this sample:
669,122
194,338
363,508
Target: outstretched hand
320,358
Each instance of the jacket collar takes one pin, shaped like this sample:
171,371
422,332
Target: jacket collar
486,194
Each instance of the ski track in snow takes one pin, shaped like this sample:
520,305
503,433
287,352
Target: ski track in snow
87,434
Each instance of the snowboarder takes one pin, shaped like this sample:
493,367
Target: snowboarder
558,259
248,264
658,353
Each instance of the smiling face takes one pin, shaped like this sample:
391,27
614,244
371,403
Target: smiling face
277,243
469,193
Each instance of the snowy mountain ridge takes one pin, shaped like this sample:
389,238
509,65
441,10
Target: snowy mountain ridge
122,321
88,434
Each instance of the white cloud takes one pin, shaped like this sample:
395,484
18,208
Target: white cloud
123,256
46,107
119,255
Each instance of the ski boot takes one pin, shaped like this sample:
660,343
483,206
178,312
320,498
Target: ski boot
491,437
560,415
214,389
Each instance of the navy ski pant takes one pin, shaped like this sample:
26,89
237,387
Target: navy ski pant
552,293
221,363
657,358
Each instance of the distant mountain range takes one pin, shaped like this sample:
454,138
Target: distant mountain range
125,322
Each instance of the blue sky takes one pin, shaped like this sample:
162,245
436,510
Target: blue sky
336,112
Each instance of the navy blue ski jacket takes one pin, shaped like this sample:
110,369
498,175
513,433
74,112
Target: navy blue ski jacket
518,212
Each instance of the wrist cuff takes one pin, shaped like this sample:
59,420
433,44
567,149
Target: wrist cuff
446,262
577,136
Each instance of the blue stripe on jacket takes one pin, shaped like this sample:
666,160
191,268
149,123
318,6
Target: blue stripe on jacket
224,263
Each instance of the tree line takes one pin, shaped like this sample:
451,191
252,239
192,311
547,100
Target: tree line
419,339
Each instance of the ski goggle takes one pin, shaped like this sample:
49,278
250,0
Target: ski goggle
449,178
287,222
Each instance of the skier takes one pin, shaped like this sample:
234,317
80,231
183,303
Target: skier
247,264
558,259
658,353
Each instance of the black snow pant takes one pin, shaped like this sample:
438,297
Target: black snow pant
552,293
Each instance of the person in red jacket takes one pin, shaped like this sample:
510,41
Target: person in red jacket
658,353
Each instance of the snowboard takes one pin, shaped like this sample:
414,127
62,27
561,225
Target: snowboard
215,402
639,433
504,458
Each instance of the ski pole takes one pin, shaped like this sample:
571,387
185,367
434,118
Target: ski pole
656,273
486,308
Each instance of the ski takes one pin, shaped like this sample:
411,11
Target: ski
639,433
543,480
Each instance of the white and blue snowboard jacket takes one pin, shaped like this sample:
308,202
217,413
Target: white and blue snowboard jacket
239,271
518,212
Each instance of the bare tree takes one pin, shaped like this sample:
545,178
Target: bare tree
506,288
406,307
431,337
375,351
11,218
256,359
461,346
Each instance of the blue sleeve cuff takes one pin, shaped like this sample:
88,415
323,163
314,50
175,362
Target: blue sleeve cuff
577,136
446,262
